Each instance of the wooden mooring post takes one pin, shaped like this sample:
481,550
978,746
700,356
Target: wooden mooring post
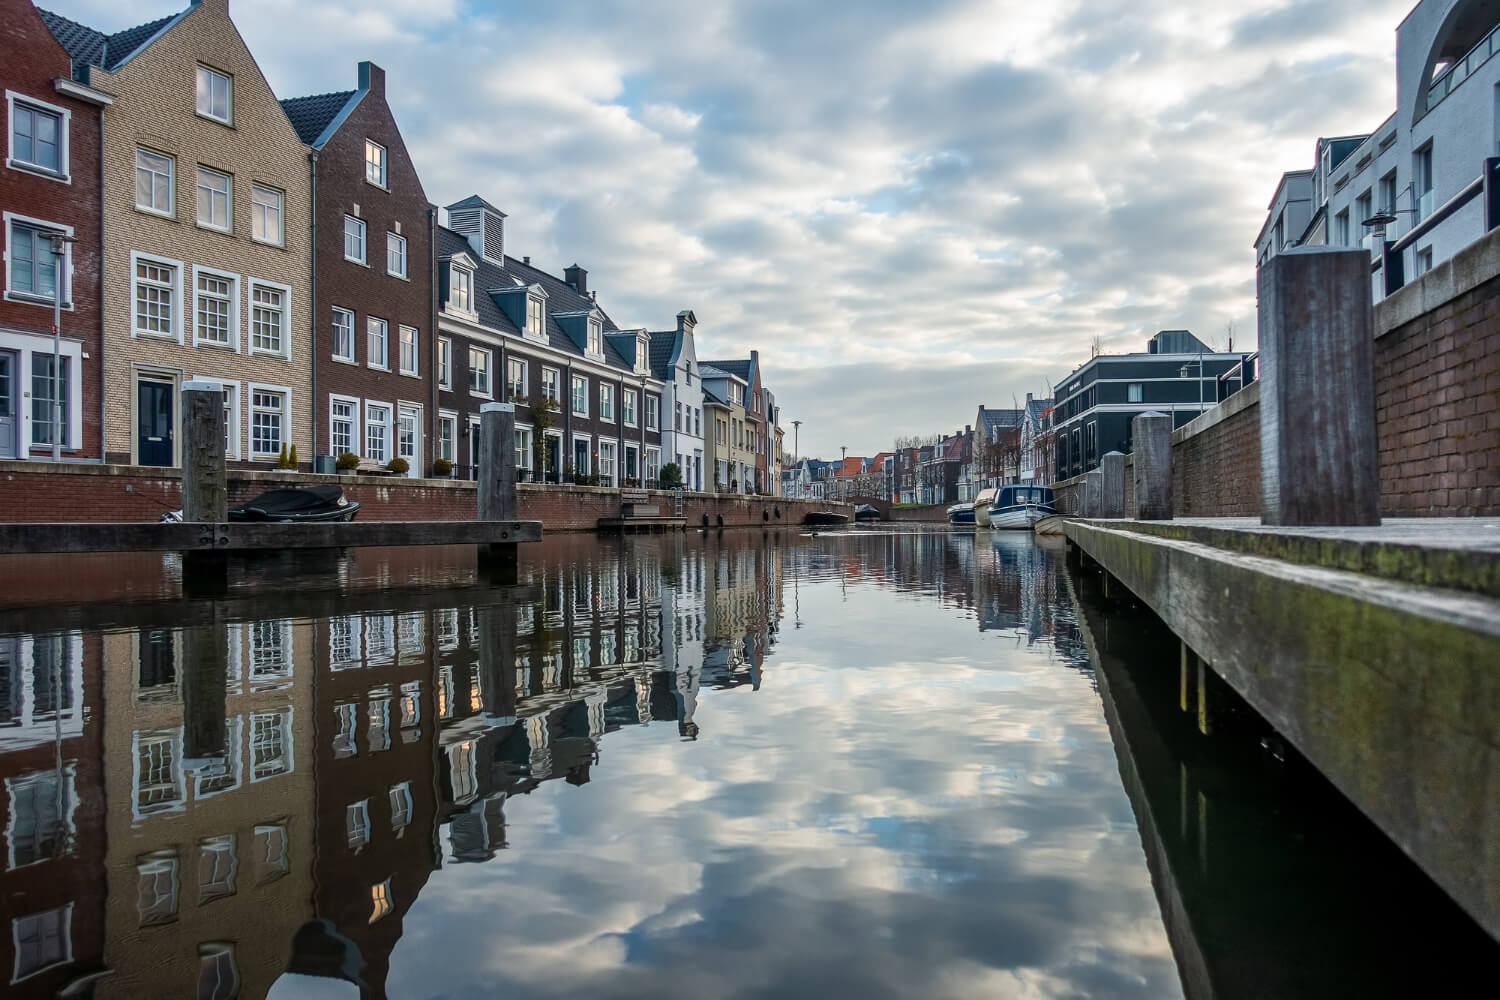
1152,433
205,484
1112,496
497,484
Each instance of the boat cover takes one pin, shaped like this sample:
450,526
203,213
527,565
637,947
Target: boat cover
297,501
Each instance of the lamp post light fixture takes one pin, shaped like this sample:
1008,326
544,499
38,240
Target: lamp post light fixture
59,243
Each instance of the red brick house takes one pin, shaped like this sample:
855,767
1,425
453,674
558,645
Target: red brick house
374,313
49,184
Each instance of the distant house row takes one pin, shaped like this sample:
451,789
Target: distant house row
186,224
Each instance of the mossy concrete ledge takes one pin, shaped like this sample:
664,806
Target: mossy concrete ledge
1392,690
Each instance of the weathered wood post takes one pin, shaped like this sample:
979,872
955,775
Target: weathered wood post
1113,499
497,482
205,683
1152,433
1095,480
205,484
1318,458
497,661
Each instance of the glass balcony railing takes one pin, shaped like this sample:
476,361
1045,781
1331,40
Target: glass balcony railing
1459,71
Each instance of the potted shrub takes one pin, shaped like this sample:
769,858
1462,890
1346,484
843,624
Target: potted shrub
670,475
399,466
347,463
441,468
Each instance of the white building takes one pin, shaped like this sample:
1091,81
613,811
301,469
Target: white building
674,360
1425,164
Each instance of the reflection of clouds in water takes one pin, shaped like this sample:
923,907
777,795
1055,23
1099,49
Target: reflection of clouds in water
883,820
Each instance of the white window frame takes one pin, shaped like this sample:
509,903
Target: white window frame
536,317
381,161
588,440
630,414
574,396
416,350
63,173
234,307
373,407
286,416
556,395
364,239
66,936
607,394
393,242
653,412
614,460
66,277
381,362
595,338
449,418
445,363
170,212
514,389
455,273
333,346
356,424
286,318
260,209
176,296
228,95
285,715
524,431
198,188
489,370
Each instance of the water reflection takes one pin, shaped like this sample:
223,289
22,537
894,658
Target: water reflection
863,764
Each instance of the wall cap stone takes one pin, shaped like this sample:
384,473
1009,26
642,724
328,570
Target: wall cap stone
1240,401
1463,272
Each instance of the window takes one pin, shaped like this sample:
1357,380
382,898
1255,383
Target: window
1424,260
523,448
445,363
354,239
155,298
1133,392
41,825
401,807
343,334
395,255
515,377
345,722
266,214
268,318
447,432
154,182
551,388
378,734
653,465
736,393
380,900
218,978
215,309
697,421
270,853
375,163
1422,182
627,407
33,268
357,824
606,463
214,94
156,887
596,338
581,456
535,318
213,199
461,289
377,349
580,395
653,408
677,416
607,402
268,421
479,371
42,940
1341,229
1362,209
270,744
408,350
1388,193
216,868
38,136
378,431
343,418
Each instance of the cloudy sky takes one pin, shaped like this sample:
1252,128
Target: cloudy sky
910,209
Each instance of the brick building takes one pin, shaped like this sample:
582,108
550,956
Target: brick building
207,254
49,184
374,309
511,332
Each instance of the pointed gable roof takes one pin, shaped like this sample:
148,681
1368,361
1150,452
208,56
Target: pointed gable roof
739,368
474,201
311,116
664,347
89,47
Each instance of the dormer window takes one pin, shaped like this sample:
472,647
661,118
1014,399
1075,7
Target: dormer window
596,338
461,289
642,355
536,318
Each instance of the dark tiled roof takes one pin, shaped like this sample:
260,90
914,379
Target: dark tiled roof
88,47
663,345
311,115
474,201
740,368
990,419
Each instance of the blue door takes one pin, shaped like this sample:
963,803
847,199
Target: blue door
153,408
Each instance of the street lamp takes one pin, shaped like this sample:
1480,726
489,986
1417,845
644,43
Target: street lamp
60,243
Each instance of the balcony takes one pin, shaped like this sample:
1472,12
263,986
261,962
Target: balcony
1460,69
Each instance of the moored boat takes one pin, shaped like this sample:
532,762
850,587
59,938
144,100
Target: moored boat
961,513
866,512
1051,525
1019,507
298,506
825,518
982,502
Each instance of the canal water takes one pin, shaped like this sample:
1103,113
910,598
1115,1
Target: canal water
859,764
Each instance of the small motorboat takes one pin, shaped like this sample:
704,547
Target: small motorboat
298,505
864,512
982,502
961,513
1018,508
825,518
1051,525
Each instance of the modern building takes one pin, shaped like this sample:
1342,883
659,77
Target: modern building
1177,374
207,259
373,298
588,408
674,362
1412,191
49,187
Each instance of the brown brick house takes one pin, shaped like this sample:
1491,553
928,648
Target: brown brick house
49,184
206,231
374,311
511,331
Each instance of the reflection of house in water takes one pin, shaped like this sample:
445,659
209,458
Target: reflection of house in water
208,793
53,809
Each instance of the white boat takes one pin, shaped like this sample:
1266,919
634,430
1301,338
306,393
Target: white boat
1017,508
982,502
1051,526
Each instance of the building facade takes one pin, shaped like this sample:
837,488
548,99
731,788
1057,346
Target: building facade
731,449
374,306
49,186
674,362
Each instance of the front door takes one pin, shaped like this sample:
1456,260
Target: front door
153,414
474,450
553,467
8,406
408,439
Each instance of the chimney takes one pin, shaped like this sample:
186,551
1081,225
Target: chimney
484,226
968,429
372,79
526,261
686,321
578,278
